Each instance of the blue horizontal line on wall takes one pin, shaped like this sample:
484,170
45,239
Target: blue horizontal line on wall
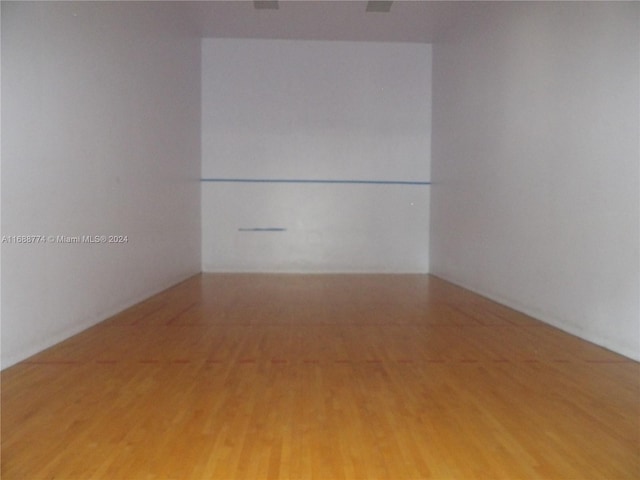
279,180
258,229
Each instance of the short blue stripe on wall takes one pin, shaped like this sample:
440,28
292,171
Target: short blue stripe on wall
280,180
263,229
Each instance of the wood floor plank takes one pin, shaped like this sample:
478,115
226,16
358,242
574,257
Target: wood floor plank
321,377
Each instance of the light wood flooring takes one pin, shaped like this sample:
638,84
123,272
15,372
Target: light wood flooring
321,377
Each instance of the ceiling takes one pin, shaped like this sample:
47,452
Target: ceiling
407,21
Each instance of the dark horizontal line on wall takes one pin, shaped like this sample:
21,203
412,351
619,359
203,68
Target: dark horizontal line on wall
263,229
299,180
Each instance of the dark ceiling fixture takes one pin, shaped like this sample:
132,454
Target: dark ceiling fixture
379,6
266,5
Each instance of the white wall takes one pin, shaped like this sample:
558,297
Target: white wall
536,163
100,114
315,110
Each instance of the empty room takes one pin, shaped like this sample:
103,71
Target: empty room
320,240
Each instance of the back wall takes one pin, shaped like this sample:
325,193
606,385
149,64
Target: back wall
353,117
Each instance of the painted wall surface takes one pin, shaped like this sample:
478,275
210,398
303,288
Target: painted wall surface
323,111
535,200
100,115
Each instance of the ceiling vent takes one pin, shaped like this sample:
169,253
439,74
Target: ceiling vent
379,6
266,5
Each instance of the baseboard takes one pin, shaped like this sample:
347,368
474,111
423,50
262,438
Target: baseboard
554,322
88,323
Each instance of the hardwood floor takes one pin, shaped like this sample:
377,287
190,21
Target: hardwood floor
321,377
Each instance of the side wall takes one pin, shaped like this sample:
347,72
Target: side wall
329,111
535,200
100,116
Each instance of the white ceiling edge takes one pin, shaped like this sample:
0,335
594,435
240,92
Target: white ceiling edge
339,20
